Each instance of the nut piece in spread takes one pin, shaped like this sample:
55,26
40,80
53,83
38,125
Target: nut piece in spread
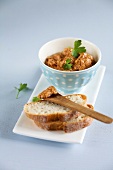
48,92
83,62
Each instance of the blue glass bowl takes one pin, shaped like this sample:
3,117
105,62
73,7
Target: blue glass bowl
68,82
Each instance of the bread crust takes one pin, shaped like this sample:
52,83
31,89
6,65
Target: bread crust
75,126
53,117
56,125
53,125
68,126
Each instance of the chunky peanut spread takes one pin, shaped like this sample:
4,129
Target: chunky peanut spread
58,61
48,92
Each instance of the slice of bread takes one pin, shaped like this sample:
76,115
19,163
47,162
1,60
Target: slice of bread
76,123
45,111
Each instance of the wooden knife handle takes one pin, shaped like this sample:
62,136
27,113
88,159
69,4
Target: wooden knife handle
74,106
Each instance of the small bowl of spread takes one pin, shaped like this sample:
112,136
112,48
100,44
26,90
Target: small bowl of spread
69,64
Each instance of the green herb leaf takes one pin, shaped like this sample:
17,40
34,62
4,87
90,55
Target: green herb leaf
68,61
77,49
81,49
36,99
75,53
68,65
77,43
21,87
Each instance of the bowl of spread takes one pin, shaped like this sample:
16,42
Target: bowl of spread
69,64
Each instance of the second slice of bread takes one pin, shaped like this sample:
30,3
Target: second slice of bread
76,123
44,111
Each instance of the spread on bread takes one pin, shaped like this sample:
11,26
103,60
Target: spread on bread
47,92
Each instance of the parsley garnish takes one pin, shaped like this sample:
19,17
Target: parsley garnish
77,49
68,65
36,99
22,87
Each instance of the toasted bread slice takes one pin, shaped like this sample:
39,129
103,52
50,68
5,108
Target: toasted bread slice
45,111
76,123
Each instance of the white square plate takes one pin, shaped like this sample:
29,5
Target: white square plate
26,127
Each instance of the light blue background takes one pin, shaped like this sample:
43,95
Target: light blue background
25,25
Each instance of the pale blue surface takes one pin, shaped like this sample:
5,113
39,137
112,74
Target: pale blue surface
25,26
